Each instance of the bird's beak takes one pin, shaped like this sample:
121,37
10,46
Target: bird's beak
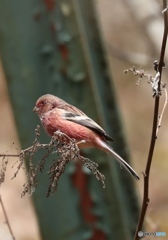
35,109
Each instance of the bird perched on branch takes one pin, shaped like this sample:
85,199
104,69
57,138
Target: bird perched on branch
56,114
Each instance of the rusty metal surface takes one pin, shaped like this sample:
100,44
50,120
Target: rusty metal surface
55,47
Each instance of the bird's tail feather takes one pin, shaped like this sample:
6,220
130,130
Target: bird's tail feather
110,151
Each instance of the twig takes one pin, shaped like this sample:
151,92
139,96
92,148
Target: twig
163,109
25,151
6,218
154,130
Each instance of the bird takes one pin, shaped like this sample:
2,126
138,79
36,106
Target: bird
56,114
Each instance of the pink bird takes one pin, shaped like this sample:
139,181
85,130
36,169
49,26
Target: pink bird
56,114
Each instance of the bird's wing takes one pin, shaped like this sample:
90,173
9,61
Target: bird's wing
87,122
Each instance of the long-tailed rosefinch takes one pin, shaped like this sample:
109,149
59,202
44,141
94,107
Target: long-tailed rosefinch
56,114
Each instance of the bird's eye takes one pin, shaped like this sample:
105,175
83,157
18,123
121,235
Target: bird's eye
41,103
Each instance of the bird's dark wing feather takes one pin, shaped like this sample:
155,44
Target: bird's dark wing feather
87,122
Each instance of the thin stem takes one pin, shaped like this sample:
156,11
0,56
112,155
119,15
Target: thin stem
9,155
161,115
6,218
39,146
154,130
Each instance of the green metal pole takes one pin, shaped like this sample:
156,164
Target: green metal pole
55,47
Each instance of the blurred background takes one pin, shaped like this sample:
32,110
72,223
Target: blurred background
131,33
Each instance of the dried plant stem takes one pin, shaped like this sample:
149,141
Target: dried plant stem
6,218
154,130
38,146
9,155
62,148
163,109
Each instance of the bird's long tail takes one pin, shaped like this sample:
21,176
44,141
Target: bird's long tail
109,150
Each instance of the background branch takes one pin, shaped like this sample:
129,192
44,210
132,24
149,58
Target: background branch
6,218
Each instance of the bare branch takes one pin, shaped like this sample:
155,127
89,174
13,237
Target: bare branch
146,199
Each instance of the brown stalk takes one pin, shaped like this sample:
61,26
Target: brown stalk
146,199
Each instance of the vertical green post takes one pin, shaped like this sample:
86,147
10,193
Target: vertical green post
55,47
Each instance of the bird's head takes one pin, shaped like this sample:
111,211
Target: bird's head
46,103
